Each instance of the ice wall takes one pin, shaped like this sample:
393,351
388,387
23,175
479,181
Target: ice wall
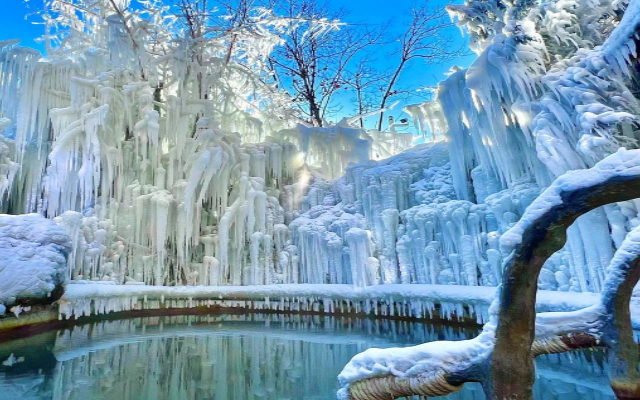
161,168
553,85
178,202
543,98
552,90
417,229
178,169
331,148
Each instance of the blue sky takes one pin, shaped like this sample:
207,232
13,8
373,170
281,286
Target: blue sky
13,23
372,12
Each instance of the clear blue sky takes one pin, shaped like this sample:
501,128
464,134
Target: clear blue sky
13,24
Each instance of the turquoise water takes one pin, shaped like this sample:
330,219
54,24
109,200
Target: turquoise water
238,357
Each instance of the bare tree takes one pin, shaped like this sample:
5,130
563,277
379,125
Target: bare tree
365,80
424,39
195,15
315,54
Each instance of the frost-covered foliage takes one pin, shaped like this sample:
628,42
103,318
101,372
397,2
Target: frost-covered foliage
162,144
33,253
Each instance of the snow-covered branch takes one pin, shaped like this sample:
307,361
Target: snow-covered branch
503,351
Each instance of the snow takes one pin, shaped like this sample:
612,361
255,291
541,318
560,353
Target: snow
412,361
402,300
417,300
622,163
33,253
172,179
620,266
161,176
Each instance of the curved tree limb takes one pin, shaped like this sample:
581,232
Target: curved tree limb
617,332
512,369
496,356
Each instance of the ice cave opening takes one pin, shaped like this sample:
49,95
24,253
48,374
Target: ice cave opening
172,228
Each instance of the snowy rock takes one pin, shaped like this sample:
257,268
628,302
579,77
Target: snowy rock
33,258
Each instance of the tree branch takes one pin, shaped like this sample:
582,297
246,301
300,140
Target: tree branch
501,357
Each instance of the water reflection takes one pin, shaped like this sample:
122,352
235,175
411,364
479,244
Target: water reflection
238,357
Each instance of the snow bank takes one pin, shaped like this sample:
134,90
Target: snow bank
428,359
386,300
413,300
33,252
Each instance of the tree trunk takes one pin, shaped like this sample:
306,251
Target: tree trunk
512,368
387,94
314,111
618,335
360,107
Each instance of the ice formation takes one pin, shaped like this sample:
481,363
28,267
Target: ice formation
186,167
552,91
423,369
392,300
33,253
159,174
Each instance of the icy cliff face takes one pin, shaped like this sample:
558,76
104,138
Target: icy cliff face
417,229
33,252
174,170
551,91
161,175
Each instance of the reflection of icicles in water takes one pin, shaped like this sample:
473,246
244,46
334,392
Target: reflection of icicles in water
570,376
82,340
241,357
223,357
226,367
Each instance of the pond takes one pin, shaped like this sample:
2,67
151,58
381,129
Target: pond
238,357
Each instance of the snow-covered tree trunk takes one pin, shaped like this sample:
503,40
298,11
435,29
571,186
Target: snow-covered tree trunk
512,369
501,357
617,332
